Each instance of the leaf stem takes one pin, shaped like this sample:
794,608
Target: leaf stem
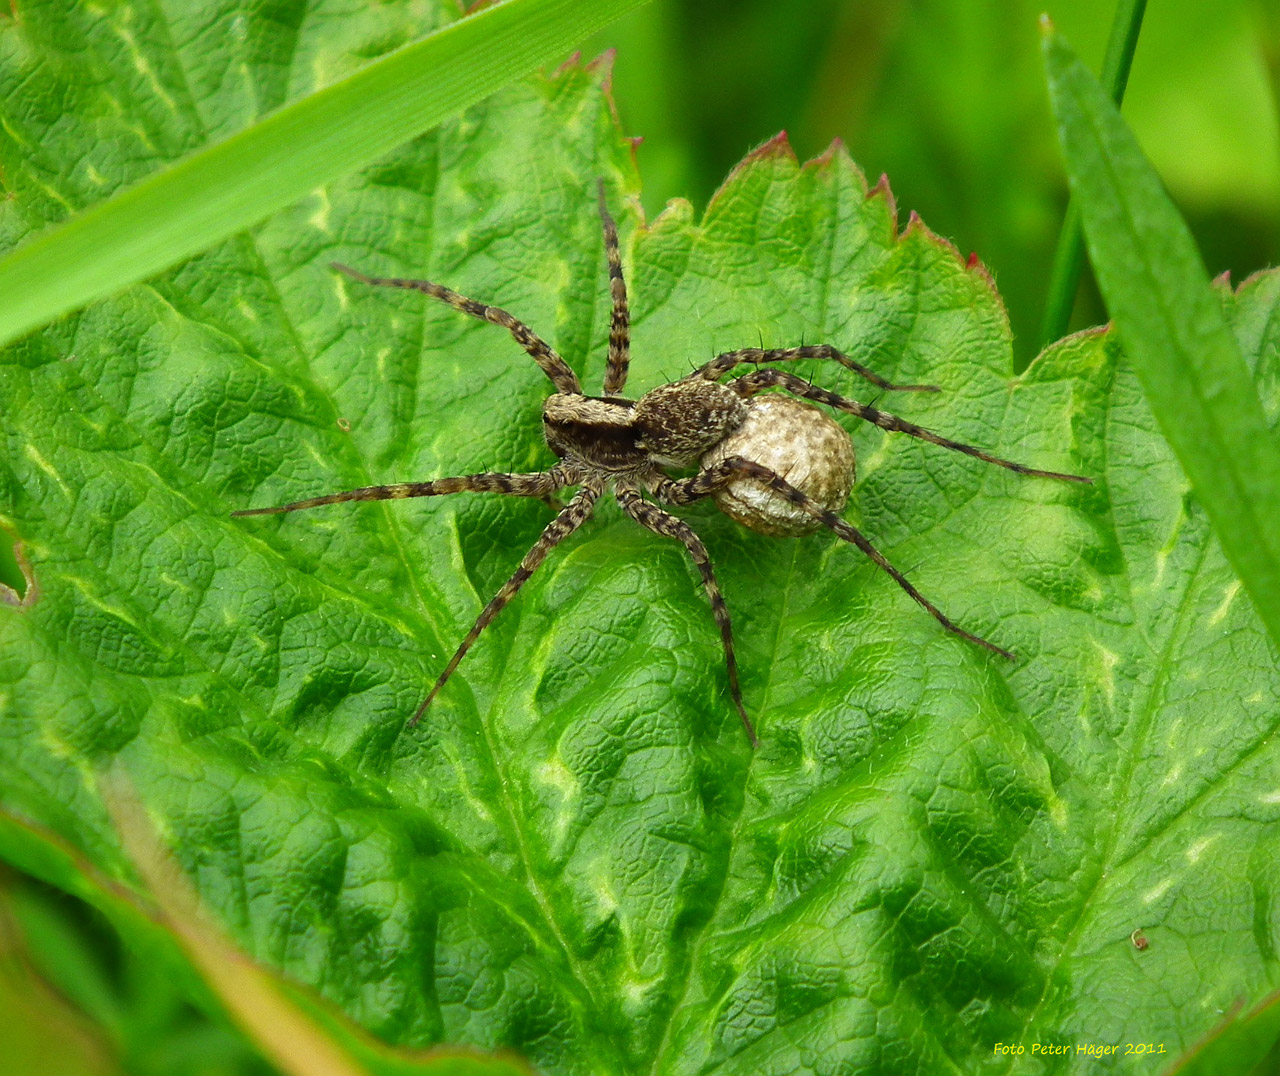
1068,259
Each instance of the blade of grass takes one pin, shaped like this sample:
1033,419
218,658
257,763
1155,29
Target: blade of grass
1068,259
1172,327
224,189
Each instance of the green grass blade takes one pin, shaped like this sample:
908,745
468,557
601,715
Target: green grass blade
239,181
1068,259
1172,327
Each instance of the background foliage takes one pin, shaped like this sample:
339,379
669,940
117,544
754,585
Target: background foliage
948,98
1127,613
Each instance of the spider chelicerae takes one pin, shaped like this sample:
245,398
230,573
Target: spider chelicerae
742,443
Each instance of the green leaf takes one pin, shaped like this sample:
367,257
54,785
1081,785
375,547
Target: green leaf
577,856
234,183
1157,291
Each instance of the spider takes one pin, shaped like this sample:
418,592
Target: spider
738,439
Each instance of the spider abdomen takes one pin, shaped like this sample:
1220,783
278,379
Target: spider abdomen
797,441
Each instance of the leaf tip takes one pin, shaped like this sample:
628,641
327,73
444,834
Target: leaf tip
573,62
835,148
30,593
883,189
835,160
605,61
972,265
1257,278
633,148
777,146
777,150
600,68
676,214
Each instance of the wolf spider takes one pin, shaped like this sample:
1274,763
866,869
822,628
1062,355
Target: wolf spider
611,442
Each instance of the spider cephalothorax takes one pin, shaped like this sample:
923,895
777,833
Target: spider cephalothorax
739,440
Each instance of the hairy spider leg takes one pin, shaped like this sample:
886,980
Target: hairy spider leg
755,356
754,382
666,525
561,375
705,483
615,374
574,514
539,484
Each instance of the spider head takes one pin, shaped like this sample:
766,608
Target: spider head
678,422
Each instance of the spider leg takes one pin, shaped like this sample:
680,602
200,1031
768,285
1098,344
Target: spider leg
561,375
682,491
665,524
615,375
755,356
754,382
577,512
540,484
700,485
